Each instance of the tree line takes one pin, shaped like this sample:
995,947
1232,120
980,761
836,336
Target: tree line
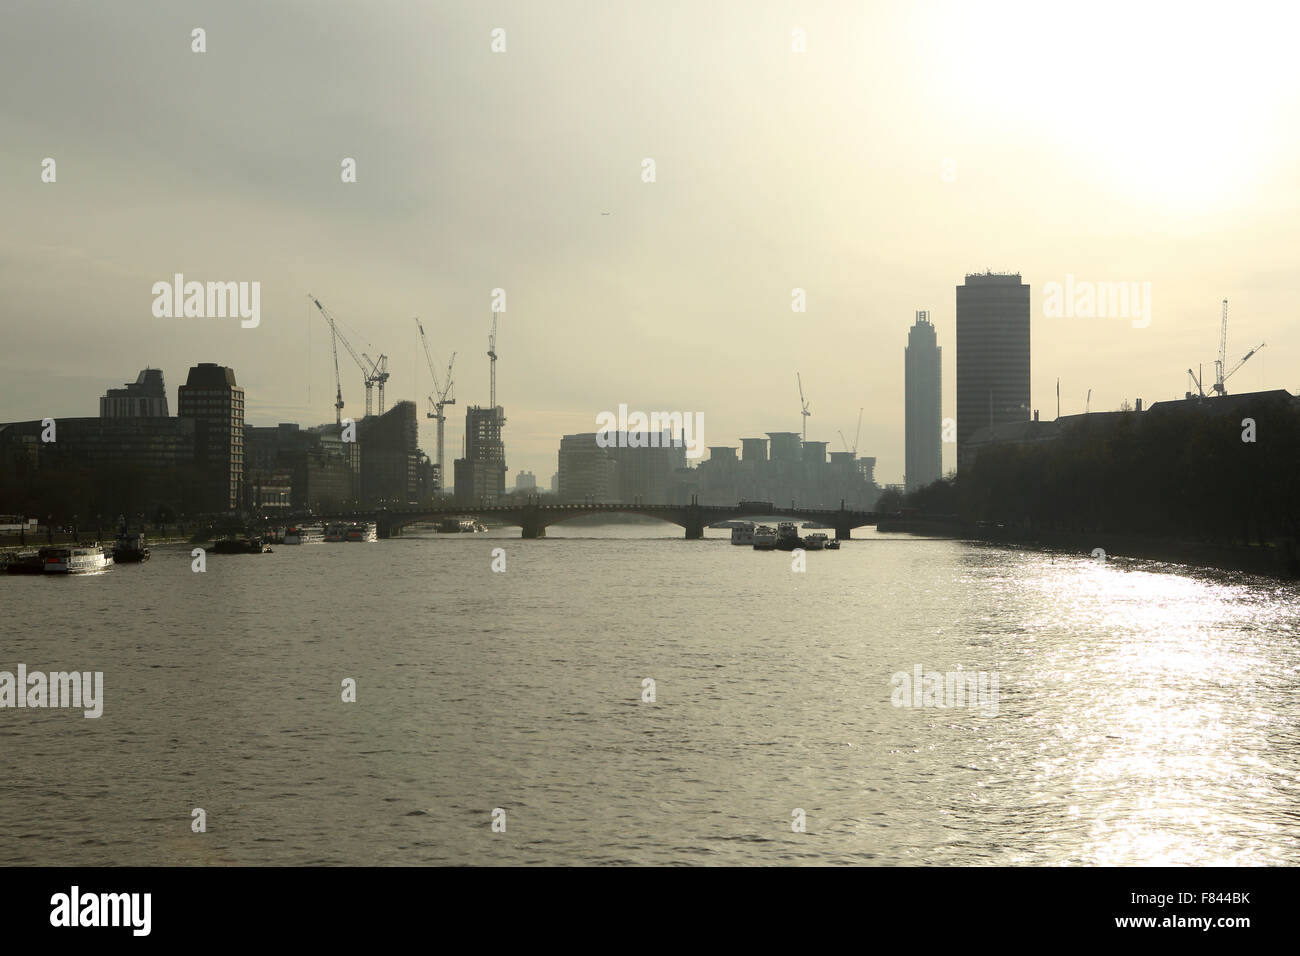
1222,470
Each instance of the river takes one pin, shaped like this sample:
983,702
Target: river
1142,713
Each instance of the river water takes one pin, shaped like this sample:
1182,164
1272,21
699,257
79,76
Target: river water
1143,714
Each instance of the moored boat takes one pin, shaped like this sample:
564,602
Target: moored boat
815,542
74,559
764,538
238,545
362,531
25,562
130,549
459,525
303,534
336,532
832,544
787,536
743,533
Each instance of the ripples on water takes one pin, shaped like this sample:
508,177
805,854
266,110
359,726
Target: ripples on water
1146,714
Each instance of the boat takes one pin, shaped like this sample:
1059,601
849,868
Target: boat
815,526
23,562
815,542
363,531
130,549
74,559
787,536
764,538
832,544
238,545
336,532
457,525
743,533
304,534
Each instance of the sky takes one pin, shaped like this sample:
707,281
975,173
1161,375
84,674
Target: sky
904,146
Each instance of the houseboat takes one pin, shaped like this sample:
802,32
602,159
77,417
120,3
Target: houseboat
764,538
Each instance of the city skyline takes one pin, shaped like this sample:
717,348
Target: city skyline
519,208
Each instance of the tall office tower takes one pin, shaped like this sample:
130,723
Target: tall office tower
992,354
481,474
923,404
211,397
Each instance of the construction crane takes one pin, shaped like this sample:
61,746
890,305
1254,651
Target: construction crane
856,436
438,400
492,357
1244,358
1221,372
378,374
803,402
374,372
1223,348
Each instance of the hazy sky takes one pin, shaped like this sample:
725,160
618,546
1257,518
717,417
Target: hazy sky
1122,142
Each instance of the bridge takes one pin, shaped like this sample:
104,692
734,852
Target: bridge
534,517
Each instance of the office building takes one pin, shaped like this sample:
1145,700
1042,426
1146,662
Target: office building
992,353
923,405
213,400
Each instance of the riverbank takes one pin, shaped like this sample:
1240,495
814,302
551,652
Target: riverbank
11,544
1279,561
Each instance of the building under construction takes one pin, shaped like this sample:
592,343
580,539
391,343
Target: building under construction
481,475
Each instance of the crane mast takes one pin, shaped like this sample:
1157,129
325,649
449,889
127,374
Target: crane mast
803,402
438,400
1223,349
492,364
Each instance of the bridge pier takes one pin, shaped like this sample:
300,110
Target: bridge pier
531,522
843,530
694,521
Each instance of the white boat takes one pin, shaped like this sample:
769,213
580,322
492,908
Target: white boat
74,559
742,533
363,531
814,542
305,534
764,538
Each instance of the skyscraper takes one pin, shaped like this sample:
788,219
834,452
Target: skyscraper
923,404
211,397
481,474
992,353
